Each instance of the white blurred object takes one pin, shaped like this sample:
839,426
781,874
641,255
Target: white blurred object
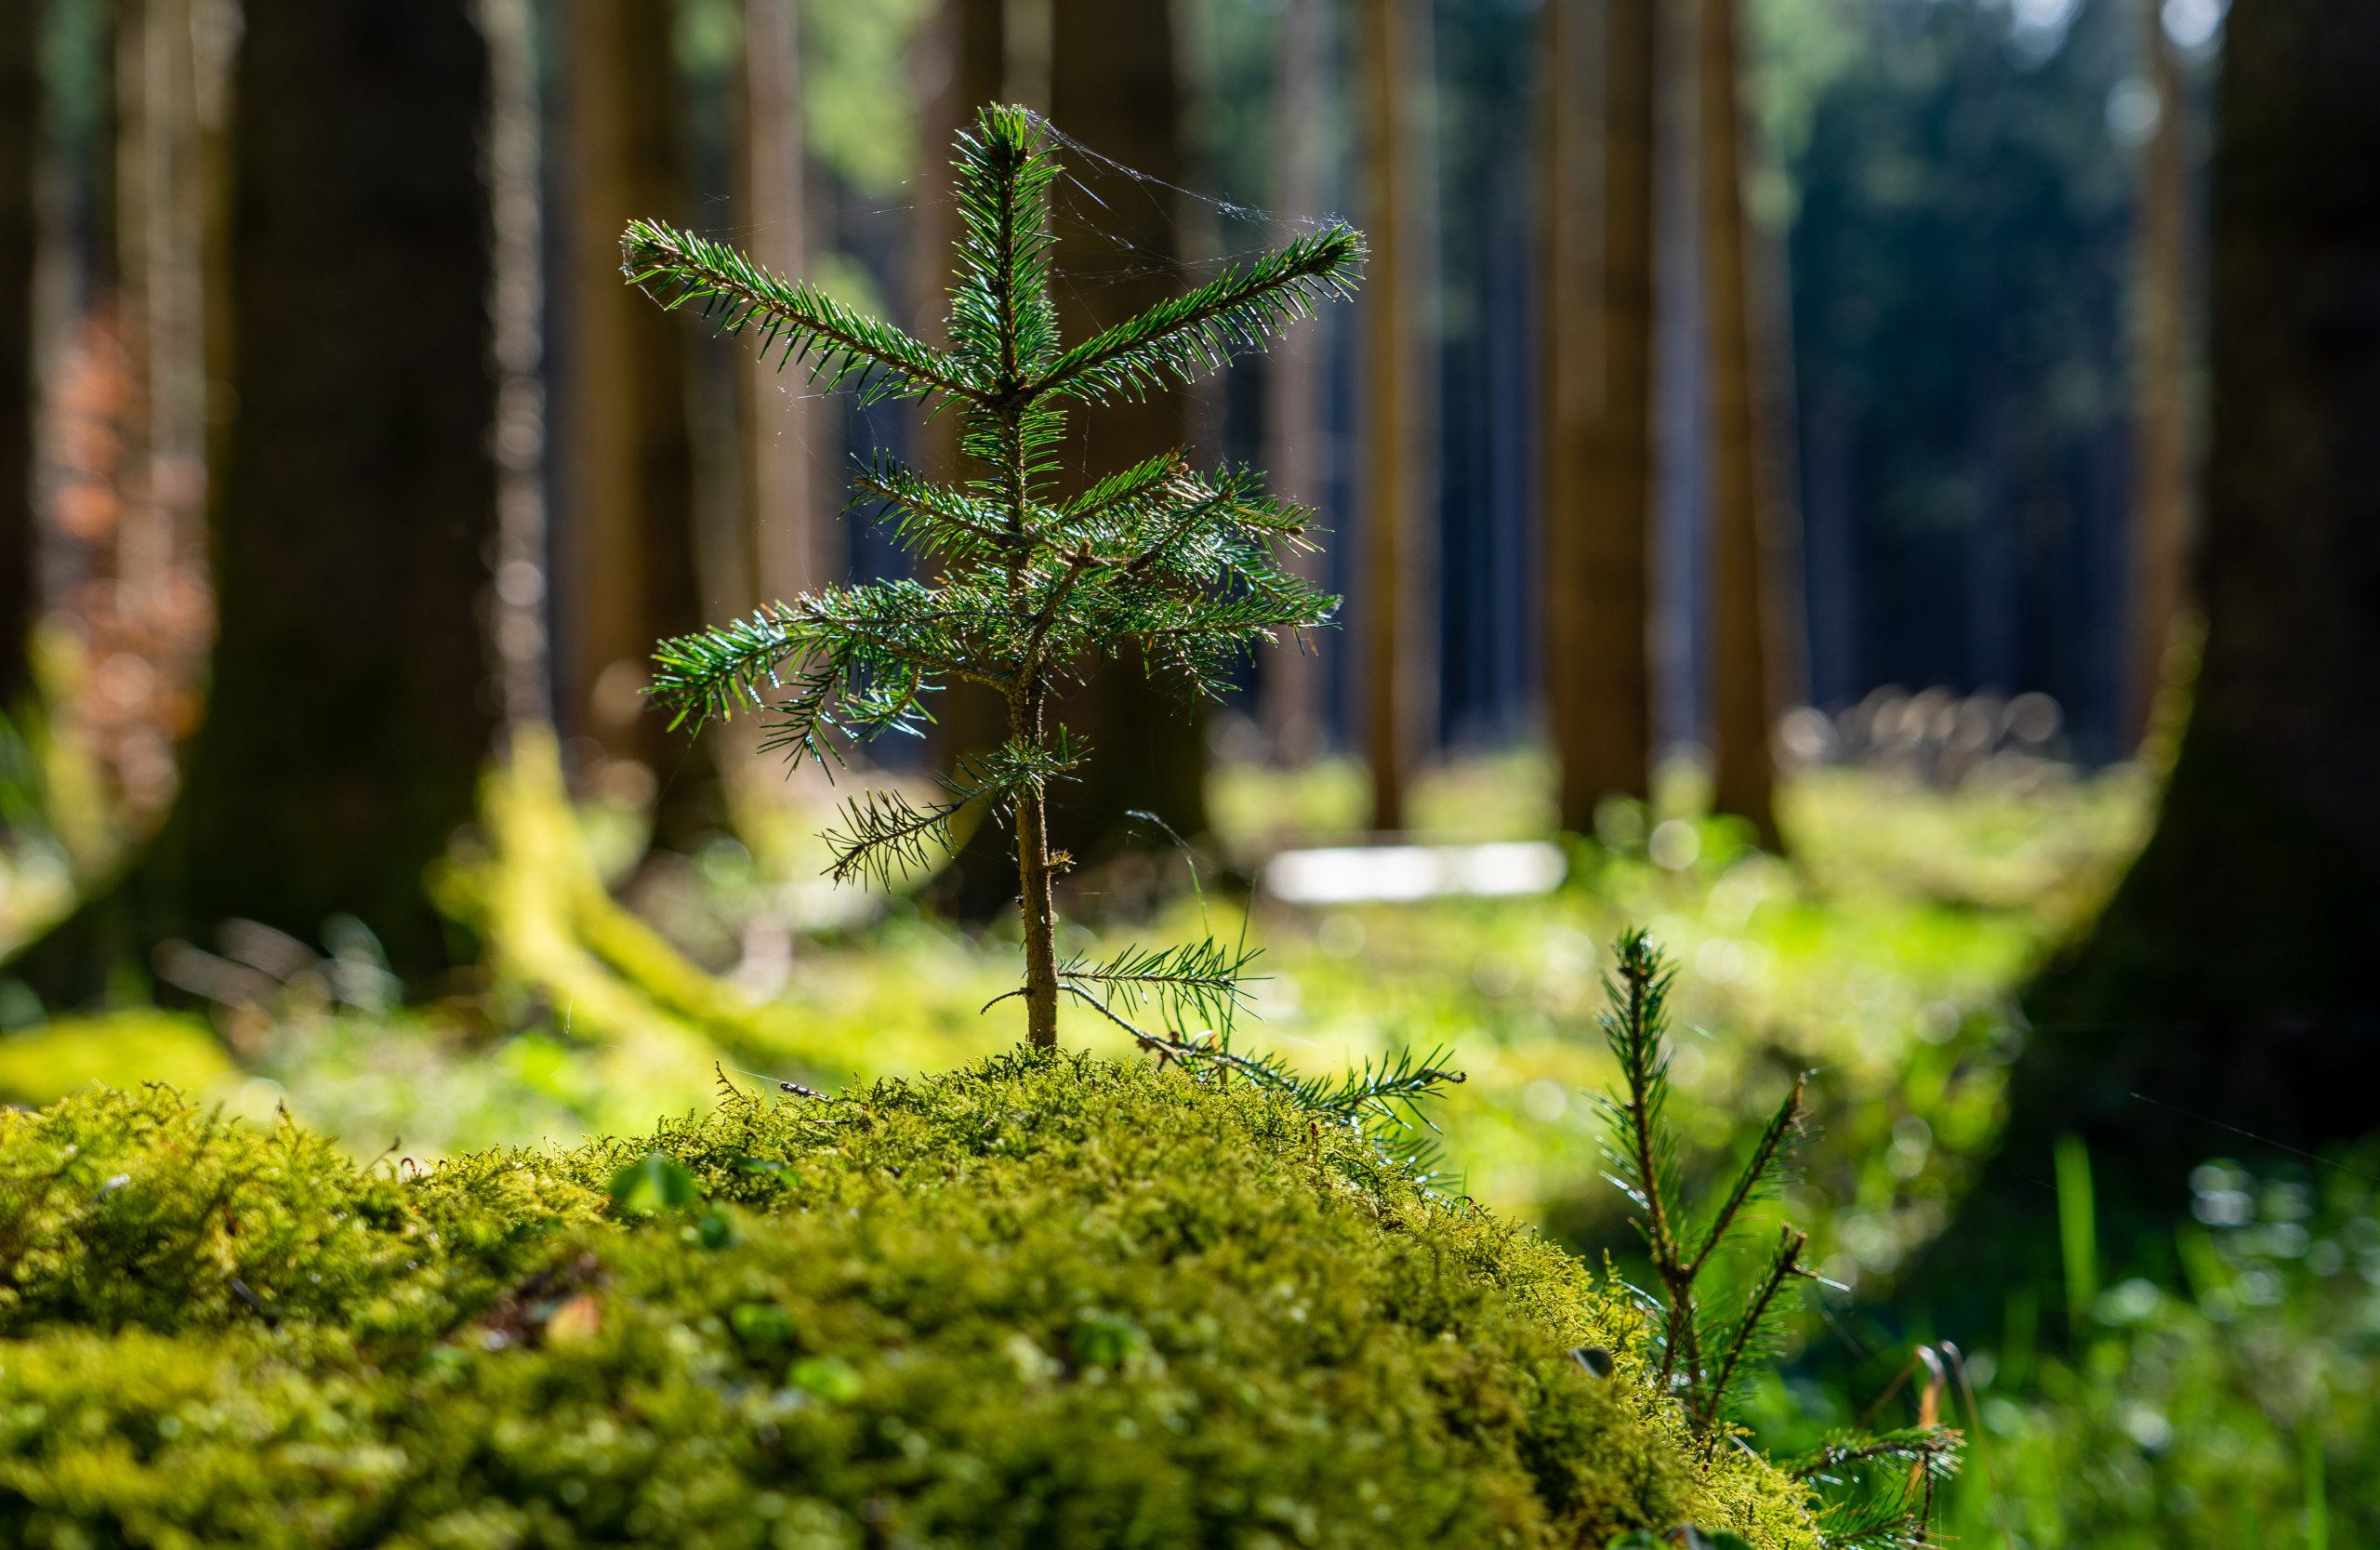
1351,873
2192,24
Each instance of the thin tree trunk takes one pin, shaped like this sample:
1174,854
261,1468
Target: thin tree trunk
350,706
787,434
1742,713
2163,492
625,549
1598,402
1292,675
1036,908
20,105
1395,613
517,316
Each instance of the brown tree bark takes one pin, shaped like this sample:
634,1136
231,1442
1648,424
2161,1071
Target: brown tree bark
1292,677
625,520
2234,976
20,103
1114,87
351,706
1597,398
1395,610
2163,468
789,453
1104,72
1743,711
961,65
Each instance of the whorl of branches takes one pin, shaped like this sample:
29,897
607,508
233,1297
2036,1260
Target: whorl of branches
1027,587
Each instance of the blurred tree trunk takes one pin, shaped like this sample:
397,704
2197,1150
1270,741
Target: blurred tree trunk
1396,606
961,65
20,104
1114,86
1743,710
625,539
1292,676
518,611
787,434
351,706
1597,398
1104,72
2163,464
2235,974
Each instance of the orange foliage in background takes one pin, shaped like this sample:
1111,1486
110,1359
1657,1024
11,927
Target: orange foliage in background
122,553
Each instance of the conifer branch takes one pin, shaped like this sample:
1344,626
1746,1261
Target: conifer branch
935,521
1203,976
884,831
1761,1176
1127,487
1785,1265
1937,1448
1199,333
1921,1459
797,320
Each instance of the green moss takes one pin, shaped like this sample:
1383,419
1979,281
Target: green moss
1044,1301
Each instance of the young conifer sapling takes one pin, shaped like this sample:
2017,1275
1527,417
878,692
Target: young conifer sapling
1705,1348
1022,584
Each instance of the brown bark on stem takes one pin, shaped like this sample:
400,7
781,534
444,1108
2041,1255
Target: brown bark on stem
1034,901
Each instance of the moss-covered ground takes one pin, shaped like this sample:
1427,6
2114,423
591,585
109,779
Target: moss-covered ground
1880,954
1043,1299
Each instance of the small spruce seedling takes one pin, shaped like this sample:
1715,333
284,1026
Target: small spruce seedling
1024,586
1704,1354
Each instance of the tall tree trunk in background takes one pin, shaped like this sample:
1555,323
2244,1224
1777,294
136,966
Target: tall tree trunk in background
351,706
961,64
2163,468
2234,975
624,544
20,103
1395,608
1113,86
1294,462
515,151
1743,713
788,435
1597,438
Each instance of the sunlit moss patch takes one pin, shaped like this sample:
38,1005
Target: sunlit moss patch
1044,1301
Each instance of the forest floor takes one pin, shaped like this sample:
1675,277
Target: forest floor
1880,953
2226,1403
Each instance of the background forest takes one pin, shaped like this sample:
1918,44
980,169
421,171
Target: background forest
1865,489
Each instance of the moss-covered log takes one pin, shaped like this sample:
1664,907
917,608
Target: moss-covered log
1043,1301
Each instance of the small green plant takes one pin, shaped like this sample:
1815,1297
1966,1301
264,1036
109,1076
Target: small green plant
1026,586
1704,1354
